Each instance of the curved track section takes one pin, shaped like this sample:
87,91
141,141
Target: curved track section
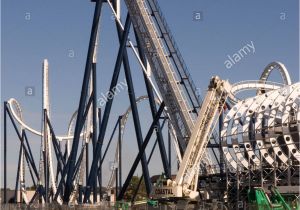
11,103
15,109
276,66
18,112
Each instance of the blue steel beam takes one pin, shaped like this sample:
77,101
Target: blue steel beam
120,151
45,155
100,164
141,152
153,108
135,114
5,151
148,161
20,138
94,167
60,160
30,156
84,92
94,134
18,169
109,142
66,168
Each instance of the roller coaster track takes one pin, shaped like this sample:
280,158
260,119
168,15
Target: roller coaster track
15,108
183,103
170,72
161,65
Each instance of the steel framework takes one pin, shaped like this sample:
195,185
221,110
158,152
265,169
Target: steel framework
257,143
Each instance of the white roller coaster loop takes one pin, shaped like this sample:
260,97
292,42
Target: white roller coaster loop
282,70
262,85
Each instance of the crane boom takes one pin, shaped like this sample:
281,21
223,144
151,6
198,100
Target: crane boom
186,180
215,98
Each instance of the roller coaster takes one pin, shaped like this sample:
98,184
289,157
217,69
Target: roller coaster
225,145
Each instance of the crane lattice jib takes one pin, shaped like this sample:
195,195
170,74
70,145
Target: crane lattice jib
166,78
215,98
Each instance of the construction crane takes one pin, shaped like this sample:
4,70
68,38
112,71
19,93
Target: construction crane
186,182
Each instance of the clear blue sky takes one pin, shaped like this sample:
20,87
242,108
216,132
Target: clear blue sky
34,30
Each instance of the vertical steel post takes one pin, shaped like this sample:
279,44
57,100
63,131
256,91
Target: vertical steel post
46,154
80,194
86,161
120,151
289,169
220,144
117,180
94,137
169,150
18,170
94,81
5,152
100,162
149,158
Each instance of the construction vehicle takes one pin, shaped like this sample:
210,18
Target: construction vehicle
185,184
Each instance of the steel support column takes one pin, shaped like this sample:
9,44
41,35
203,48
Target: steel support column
141,152
94,137
5,152
18,169
170,150
86,161
20,138
153,108
84,91
60,160
148,161
45,137
108,106
100,163
135,114
222,164
116,172
120,151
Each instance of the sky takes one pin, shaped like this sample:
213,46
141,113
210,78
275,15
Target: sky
59,31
